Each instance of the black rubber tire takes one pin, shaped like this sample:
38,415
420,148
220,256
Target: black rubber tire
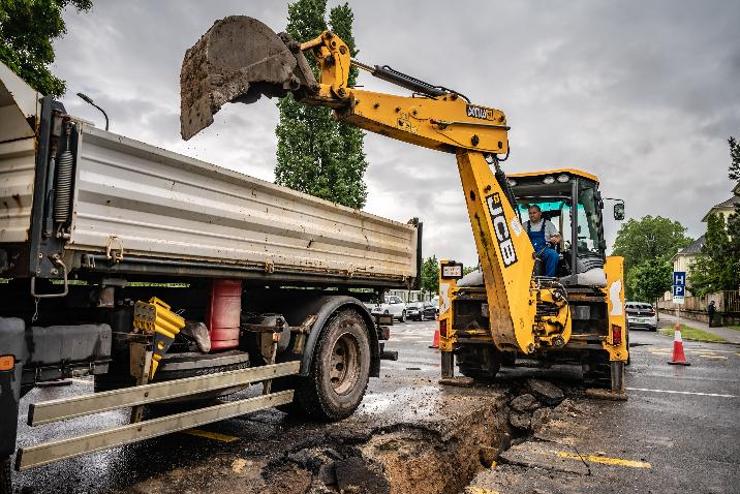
163,375
6,479
597,370
315,396
479,362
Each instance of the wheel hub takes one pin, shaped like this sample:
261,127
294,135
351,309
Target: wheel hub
345,364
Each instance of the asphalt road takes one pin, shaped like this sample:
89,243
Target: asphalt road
679,432
234,454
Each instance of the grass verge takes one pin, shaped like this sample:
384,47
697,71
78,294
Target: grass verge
693,334
736,327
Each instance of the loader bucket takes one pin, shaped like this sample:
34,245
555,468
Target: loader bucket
238,60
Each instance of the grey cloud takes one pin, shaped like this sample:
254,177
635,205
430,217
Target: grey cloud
643,94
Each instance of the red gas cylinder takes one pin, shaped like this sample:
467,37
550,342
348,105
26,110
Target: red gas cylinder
224,313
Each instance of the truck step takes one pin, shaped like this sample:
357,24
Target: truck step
117,436
76,406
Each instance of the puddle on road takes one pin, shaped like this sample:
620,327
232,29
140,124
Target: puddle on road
402,404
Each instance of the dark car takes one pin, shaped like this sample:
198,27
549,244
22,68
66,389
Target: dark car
430,311
414,311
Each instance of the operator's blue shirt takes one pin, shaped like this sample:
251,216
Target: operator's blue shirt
538,235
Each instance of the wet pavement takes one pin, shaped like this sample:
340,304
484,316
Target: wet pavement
405,413
677,433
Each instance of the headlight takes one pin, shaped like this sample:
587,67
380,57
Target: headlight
548,180
563,178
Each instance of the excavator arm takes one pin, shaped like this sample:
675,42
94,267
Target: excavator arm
240,59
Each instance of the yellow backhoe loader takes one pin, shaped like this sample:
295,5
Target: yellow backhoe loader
510,312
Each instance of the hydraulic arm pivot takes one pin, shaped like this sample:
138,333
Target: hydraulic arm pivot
240,59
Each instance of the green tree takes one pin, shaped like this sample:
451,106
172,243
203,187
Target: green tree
317,154
430,275
27,30
734,171
469,269
733,221
717,267
653,240
650,280
713,269
649,238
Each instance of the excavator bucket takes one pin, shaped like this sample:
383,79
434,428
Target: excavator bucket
238,60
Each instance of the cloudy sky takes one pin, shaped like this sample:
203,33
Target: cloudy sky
642,93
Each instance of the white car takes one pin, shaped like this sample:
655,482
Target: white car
641,315
393,306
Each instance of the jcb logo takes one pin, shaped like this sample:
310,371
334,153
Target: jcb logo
480,112
501,229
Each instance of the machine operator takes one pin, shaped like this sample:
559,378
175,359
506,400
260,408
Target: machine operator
544,237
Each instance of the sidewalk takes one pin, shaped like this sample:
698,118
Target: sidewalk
731,335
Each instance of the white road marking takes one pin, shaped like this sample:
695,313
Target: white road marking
668,391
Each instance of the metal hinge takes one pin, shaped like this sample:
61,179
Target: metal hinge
114,249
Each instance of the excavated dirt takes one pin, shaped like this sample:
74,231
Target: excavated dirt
435,453
426,457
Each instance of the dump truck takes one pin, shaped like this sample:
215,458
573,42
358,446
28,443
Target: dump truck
512,310
168,278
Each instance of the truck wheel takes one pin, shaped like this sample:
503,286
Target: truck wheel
6,486
340,369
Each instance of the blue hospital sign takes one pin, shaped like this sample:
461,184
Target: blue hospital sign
679,286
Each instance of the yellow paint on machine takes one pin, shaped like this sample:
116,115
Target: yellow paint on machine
604,460
479,490
216,436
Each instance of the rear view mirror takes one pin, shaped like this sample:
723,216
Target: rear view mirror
619,211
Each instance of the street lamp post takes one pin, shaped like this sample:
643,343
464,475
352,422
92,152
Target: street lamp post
88,99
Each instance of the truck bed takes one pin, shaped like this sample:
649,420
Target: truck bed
140,209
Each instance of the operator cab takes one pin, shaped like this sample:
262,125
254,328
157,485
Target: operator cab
558,193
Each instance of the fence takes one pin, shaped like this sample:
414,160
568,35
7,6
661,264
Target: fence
727,304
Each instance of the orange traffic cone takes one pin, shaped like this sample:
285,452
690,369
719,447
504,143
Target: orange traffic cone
435,341
679,358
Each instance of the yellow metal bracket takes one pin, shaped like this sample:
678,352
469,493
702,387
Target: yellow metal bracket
155,317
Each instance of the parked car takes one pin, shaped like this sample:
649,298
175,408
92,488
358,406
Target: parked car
391,305
415,311
431,309
641,315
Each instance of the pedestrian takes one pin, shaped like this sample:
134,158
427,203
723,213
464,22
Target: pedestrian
711,309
